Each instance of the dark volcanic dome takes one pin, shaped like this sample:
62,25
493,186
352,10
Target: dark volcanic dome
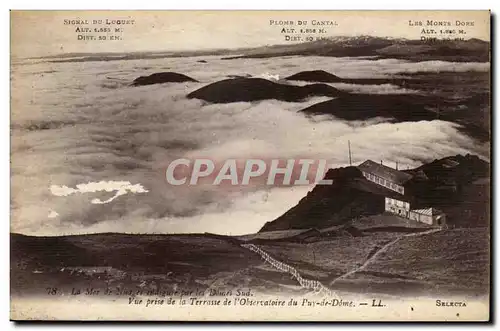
162,77
355,107
315,76
254,89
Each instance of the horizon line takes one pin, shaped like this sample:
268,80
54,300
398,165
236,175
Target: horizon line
226,49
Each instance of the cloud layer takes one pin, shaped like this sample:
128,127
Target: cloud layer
80,127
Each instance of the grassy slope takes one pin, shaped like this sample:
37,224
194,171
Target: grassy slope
188,260
449,261
454,260
327,259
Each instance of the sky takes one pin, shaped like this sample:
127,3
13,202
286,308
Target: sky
41,33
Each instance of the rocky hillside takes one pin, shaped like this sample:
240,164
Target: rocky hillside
458,185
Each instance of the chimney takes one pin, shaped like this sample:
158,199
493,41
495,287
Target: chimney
381,162
396,165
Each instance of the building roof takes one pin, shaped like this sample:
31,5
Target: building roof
448,163
428,211
399,197
388,173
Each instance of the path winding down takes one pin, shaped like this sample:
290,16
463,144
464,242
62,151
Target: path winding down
317,286
380,251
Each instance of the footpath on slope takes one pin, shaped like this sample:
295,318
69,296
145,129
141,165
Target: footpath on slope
317,286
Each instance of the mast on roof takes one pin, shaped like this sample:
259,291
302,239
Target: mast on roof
349,146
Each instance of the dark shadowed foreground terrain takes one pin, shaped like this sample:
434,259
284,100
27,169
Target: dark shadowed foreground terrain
449,262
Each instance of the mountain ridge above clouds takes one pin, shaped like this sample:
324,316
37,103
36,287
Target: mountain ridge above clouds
471,50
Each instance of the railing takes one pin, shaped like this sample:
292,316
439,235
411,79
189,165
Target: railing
309,284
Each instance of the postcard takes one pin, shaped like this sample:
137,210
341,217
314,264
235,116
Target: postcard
250,166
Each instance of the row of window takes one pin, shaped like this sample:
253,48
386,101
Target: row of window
398,203
416,217
384,182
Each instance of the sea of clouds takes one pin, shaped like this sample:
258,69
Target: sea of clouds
89,151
